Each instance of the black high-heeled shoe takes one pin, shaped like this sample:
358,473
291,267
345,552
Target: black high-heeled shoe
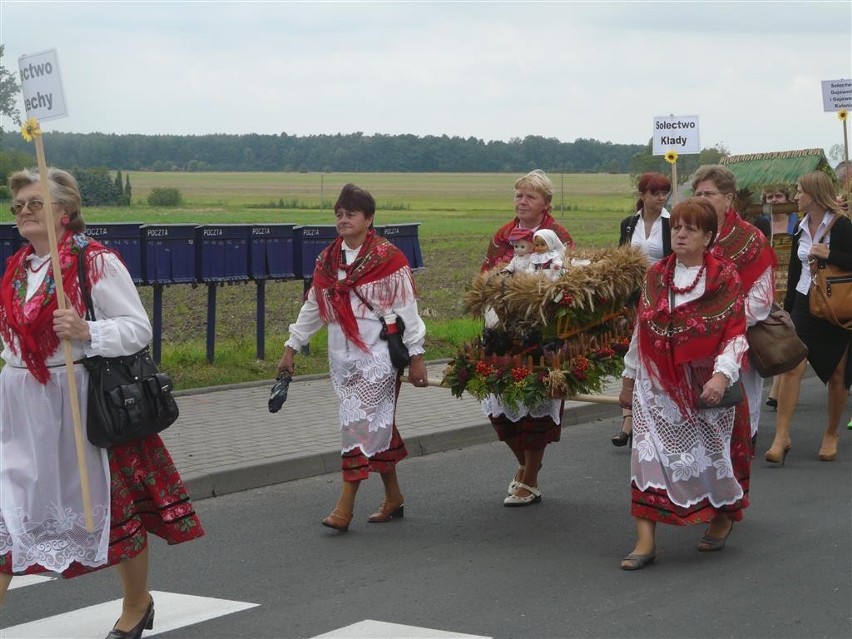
621,438
772,402
146,623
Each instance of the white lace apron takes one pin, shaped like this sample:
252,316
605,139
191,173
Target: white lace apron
688,458
365,383
41,503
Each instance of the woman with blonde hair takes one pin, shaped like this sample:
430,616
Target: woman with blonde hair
824,233
526,430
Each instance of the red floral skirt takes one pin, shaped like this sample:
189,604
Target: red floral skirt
147,495
654,504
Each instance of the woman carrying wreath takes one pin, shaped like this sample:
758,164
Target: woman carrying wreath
687,347
526,430
533,195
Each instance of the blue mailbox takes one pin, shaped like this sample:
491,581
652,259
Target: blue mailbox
124,239
168,253
222,252
404,237
10,241
271,251
308,241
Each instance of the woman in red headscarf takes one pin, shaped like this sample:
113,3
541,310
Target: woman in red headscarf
360,281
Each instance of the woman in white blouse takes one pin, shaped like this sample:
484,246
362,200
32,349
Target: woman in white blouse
647,229
134,488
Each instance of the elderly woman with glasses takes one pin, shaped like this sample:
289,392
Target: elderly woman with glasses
134,488
751,253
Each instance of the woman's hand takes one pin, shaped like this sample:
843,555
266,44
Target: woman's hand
625,397
819,251
714,389
417,373
69,325
286,362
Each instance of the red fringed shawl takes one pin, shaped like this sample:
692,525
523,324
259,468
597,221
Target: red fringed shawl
377,260
500,249
746,247
27,326
694,333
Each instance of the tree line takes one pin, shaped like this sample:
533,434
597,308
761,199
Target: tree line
354,152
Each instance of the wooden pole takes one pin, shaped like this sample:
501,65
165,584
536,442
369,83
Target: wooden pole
66,344
675,194
592,399
848,173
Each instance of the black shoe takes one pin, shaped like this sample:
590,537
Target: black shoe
772,402
621,438
146,623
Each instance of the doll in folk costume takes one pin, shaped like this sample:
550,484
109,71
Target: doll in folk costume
548,253
523,247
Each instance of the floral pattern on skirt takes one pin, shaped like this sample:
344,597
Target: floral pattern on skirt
147,495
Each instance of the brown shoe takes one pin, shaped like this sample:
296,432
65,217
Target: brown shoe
386,512
338,520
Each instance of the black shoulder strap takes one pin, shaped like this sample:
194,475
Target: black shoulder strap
84,288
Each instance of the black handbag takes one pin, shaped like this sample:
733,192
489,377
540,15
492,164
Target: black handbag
128,397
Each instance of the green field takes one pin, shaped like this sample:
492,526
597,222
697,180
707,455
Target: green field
457,214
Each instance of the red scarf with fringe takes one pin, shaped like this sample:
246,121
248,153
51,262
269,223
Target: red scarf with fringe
377,260
27,325
679,344
746,247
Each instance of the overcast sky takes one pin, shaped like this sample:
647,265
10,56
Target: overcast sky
751,71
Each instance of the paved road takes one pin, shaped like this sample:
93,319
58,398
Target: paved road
461,563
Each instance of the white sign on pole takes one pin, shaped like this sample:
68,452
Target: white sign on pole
41,85
676,133
836,95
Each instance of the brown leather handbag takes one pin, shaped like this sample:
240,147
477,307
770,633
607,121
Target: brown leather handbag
830,297
773,345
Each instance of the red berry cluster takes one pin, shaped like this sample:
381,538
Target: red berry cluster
484,369
519,373
566,300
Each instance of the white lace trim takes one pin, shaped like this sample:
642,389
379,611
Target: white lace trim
688,458
492,406
366,387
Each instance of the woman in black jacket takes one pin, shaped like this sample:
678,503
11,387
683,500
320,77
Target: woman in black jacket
824,233
647,229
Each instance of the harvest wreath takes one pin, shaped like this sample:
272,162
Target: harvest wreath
550,339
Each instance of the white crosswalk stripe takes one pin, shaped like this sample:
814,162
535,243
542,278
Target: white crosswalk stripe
172,611
370,629
29,580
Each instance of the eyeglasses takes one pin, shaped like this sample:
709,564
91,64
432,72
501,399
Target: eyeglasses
33,205
706,193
